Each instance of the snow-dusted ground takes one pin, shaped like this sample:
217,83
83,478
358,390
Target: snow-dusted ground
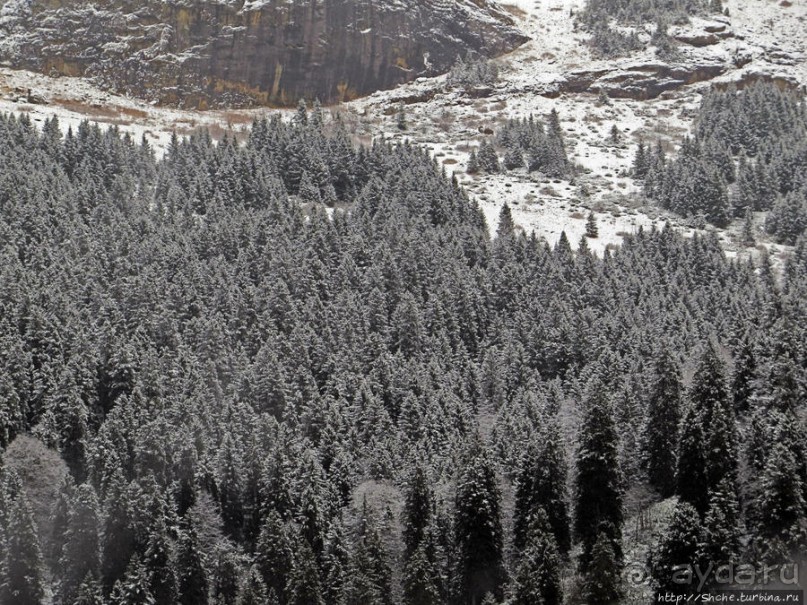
452,124
768,34
73,100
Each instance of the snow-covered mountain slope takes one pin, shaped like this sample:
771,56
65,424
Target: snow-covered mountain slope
652,100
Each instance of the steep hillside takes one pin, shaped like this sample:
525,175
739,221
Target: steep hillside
219,52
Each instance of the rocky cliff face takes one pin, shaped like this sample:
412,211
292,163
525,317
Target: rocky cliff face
201,53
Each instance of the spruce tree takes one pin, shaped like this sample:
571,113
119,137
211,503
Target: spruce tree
538,576
660,439
369,578
304,585
598,489
601,582
89,593
132,589
310,519
81,554
478,528
159,567
690,469
591,226
707,453
721,536
421,584
225,578
680,545
117,535
779,512
513,158
274,555
21,573
60,517
473,163
615,137
506,226
417,511
710,394
400,117
748,238
336,560
488,158
192,580
742,377
253,590
541,486
230,488
640,162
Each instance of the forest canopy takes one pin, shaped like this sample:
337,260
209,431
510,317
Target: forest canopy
258,400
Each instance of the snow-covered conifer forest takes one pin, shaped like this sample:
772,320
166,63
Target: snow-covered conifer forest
307,360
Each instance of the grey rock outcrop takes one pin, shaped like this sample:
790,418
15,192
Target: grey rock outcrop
205,53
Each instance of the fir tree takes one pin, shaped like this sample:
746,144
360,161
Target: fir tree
601,584
591,226
779,507
598,489
81,554
159,567
660,440
274,555
132,589
304,586
541,486
473,163
488,158
679,546
253,590
538,576
506,226
478,529
417,511
721,537
21,573
690,469
192,581
513,159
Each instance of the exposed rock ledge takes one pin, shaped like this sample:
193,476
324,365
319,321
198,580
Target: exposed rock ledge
640,81
200,53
